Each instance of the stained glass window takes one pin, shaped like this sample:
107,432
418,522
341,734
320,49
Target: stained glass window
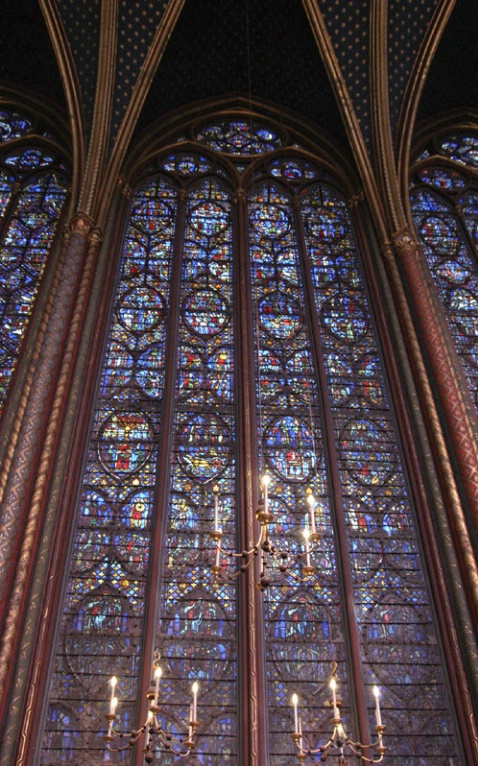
461,148
32,194
167,440
445,211
239,137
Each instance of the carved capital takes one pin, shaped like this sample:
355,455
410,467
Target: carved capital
355,200
125,188
81,223
404,241
183,195
388,252
96,237
239,195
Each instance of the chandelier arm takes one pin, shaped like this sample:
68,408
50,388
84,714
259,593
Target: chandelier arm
116,749
359,751
242,554
361,745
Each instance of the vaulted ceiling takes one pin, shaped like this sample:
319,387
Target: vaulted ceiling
260,48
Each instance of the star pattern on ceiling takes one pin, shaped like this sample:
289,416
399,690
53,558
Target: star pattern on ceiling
81,21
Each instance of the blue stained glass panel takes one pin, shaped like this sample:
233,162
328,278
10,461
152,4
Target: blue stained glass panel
33,217
239,137
302,622
13,125
453,267
102,625
198,628
461,148
399,646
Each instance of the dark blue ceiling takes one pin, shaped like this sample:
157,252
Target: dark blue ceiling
453,79
408,21
27,57
207,55
81,21
264,48
138,22
348,27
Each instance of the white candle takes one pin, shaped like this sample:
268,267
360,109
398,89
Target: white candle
265,483
311,502
114,703
307,547
157,677
295,702
216,513
378,715
195,700
148,723
333,686
113,683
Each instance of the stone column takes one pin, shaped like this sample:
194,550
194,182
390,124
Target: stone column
25,475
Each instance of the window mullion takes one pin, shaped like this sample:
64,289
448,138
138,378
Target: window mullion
253,726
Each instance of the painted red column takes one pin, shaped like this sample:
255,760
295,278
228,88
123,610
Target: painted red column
451,386
27,469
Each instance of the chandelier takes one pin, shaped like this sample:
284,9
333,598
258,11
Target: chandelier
339,741
155,737
276,562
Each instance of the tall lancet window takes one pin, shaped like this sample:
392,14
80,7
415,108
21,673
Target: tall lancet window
242,342
444,203
32,193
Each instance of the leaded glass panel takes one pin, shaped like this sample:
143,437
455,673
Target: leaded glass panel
32,194
399,645
165,442
239,137
461,148
102,626
14,125
446,216
198,629
303,622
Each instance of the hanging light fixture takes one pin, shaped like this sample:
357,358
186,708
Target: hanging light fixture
339,741
276,562
155,737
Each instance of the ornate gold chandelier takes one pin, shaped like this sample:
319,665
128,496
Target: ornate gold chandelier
276,562
339,741
155,737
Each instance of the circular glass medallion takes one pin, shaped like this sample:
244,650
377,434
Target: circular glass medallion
125,442
31,159
205,312
345,318
203,446
280,316
440,235
290,448
209,219
142,309
150,371
151,216
270,221
326,225
239,137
